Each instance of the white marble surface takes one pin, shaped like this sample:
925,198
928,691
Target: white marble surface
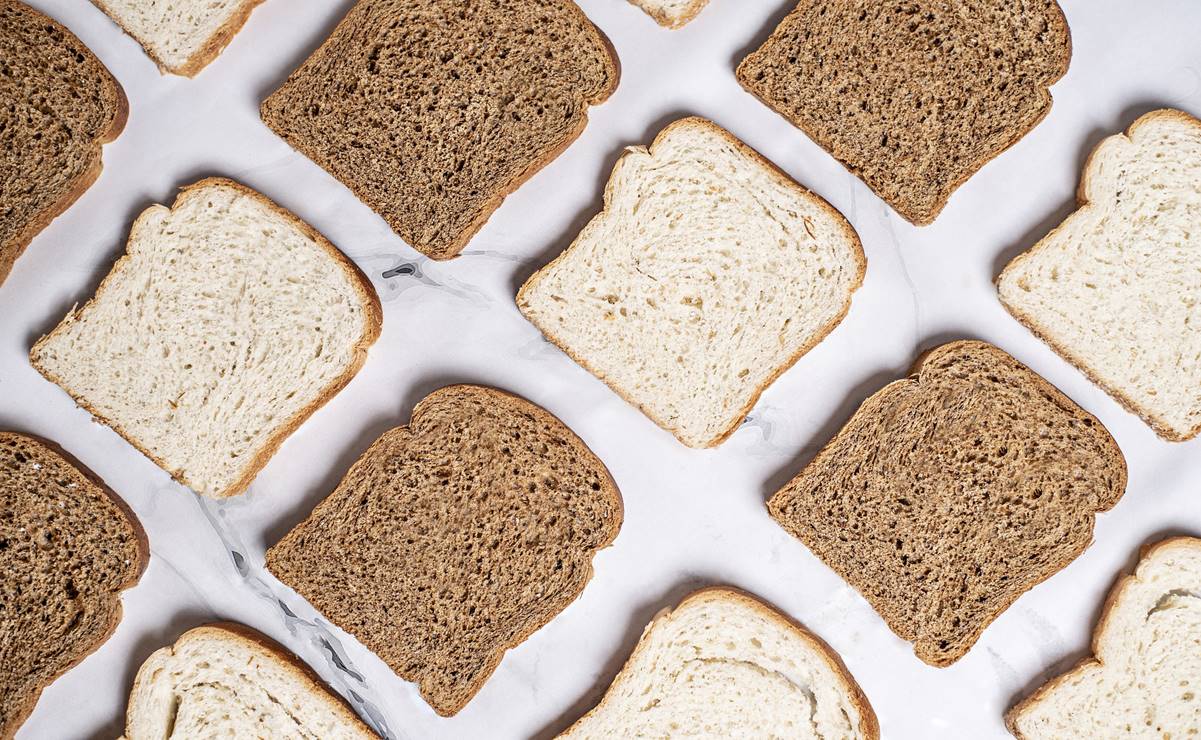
692,517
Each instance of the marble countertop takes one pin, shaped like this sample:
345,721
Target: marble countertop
693,517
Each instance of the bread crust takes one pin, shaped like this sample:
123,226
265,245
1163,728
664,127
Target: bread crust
15,247
1084,204
208,51
23,711
868,723
782,177
1111,601
372,326
927,217
264,646
663,19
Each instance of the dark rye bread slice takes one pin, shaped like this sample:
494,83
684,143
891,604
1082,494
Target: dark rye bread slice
432,111
68,547
913,96
951,493
58,105
455,538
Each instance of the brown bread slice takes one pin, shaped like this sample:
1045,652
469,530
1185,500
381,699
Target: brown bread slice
453,539
432,111
951,493
913,96
68,547
59,105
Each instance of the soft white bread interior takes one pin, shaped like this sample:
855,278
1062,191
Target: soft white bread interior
671,13
225,325
1145,681
708,273
723,664
228,681
182,36
1116,288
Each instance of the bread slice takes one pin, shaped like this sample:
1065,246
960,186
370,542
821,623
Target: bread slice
1144,679
226,680
181,36
453,539
432,111
708,273
913,98
1114,288
951,493
672,13
60,105
70,547
225,325
724,664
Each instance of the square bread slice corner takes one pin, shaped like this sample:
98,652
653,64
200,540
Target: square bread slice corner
224,326
707,274
1116,288
671,14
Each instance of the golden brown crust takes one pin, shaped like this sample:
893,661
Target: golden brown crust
783,177
372,325
868,723
1084,204
665,20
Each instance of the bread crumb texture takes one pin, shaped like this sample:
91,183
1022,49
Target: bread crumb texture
432,111
707,274
1145,679
913,96
723,664
1116,288
671,13
453,539
951,493
67,550
182,36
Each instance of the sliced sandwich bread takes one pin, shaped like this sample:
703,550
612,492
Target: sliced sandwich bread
951,493
182,36
68,548
225,325
1116,288
226,680
671,13
60,104
913,97
432,111
708,273
724,664
453,539
1144,680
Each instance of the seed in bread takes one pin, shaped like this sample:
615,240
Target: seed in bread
1115,288
60,104
708,273
913,97
432,111
68,548
951,493
453,539
225,325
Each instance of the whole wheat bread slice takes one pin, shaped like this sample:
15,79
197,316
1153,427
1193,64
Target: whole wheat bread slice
225,680
227,323
1116,288
60,104
951,493
913,97
432,111
671,13
724,664
68,548
453,539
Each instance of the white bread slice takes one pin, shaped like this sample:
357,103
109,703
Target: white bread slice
724,664
708,273
1145,681
226,680
1116,288
225,325
181,36
671,13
